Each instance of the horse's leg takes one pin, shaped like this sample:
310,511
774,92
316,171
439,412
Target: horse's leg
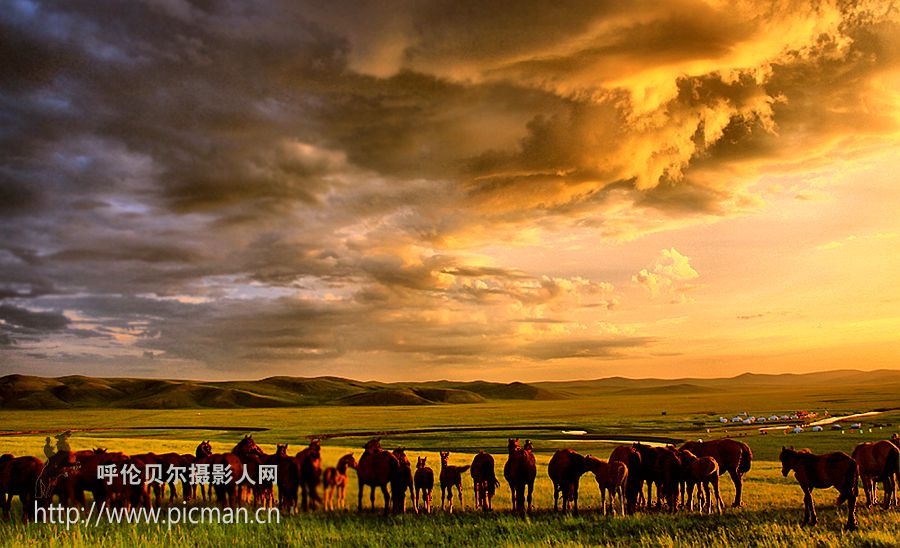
575,499
462,503
813,519
851,509
530,489
556,491
738,481
387,498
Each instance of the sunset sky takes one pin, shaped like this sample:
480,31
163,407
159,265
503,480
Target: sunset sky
463,190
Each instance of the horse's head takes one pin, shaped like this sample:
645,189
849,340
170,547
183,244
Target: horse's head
281,450
348,460
529,446
99,450
400,455
315,445
373,445
420,462
6,457
445,457
512,444
204,449
247,447
787,457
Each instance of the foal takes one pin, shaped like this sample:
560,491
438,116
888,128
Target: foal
451,476
335,479
424,480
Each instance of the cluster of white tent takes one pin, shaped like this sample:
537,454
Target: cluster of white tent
743,418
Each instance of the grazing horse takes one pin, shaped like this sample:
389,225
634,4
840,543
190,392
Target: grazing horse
451,476
335,479
226,492
632,460
878,461
484,480
700,472
18,477
732,456
565,470
520,471
612,478
424,481
310,462
837,470
376,467
402,480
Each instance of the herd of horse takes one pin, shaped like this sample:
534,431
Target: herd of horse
675,472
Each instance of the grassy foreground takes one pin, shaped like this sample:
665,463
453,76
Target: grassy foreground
770,517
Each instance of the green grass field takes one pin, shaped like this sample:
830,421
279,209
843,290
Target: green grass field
770,517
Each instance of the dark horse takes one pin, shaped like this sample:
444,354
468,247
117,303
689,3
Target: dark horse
565,470
401,482
451,476
732,456
18,477
288,478
632,460
375,468
226,492
484,480
310,462
837,470
519,471
250,455
878,461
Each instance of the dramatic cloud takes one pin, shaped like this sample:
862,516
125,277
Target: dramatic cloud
223,189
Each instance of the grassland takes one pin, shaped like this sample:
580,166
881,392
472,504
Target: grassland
770,517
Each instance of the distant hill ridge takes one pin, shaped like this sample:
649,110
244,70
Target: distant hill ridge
29,392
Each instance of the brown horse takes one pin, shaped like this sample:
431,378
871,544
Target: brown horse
402,480
226,492
520,471
250,455
732,456
18,478
172,466
334,479
648,470
484,480
424,482
612,478
837,470
700,472
632,460
660,466
376,467
310,462
288,478
565,470
878,461
451,476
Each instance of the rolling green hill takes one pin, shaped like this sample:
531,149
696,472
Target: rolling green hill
28,392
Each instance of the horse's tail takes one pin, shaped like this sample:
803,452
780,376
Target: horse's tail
746,457
851,483
462,469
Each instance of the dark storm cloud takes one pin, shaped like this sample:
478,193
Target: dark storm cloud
172,171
